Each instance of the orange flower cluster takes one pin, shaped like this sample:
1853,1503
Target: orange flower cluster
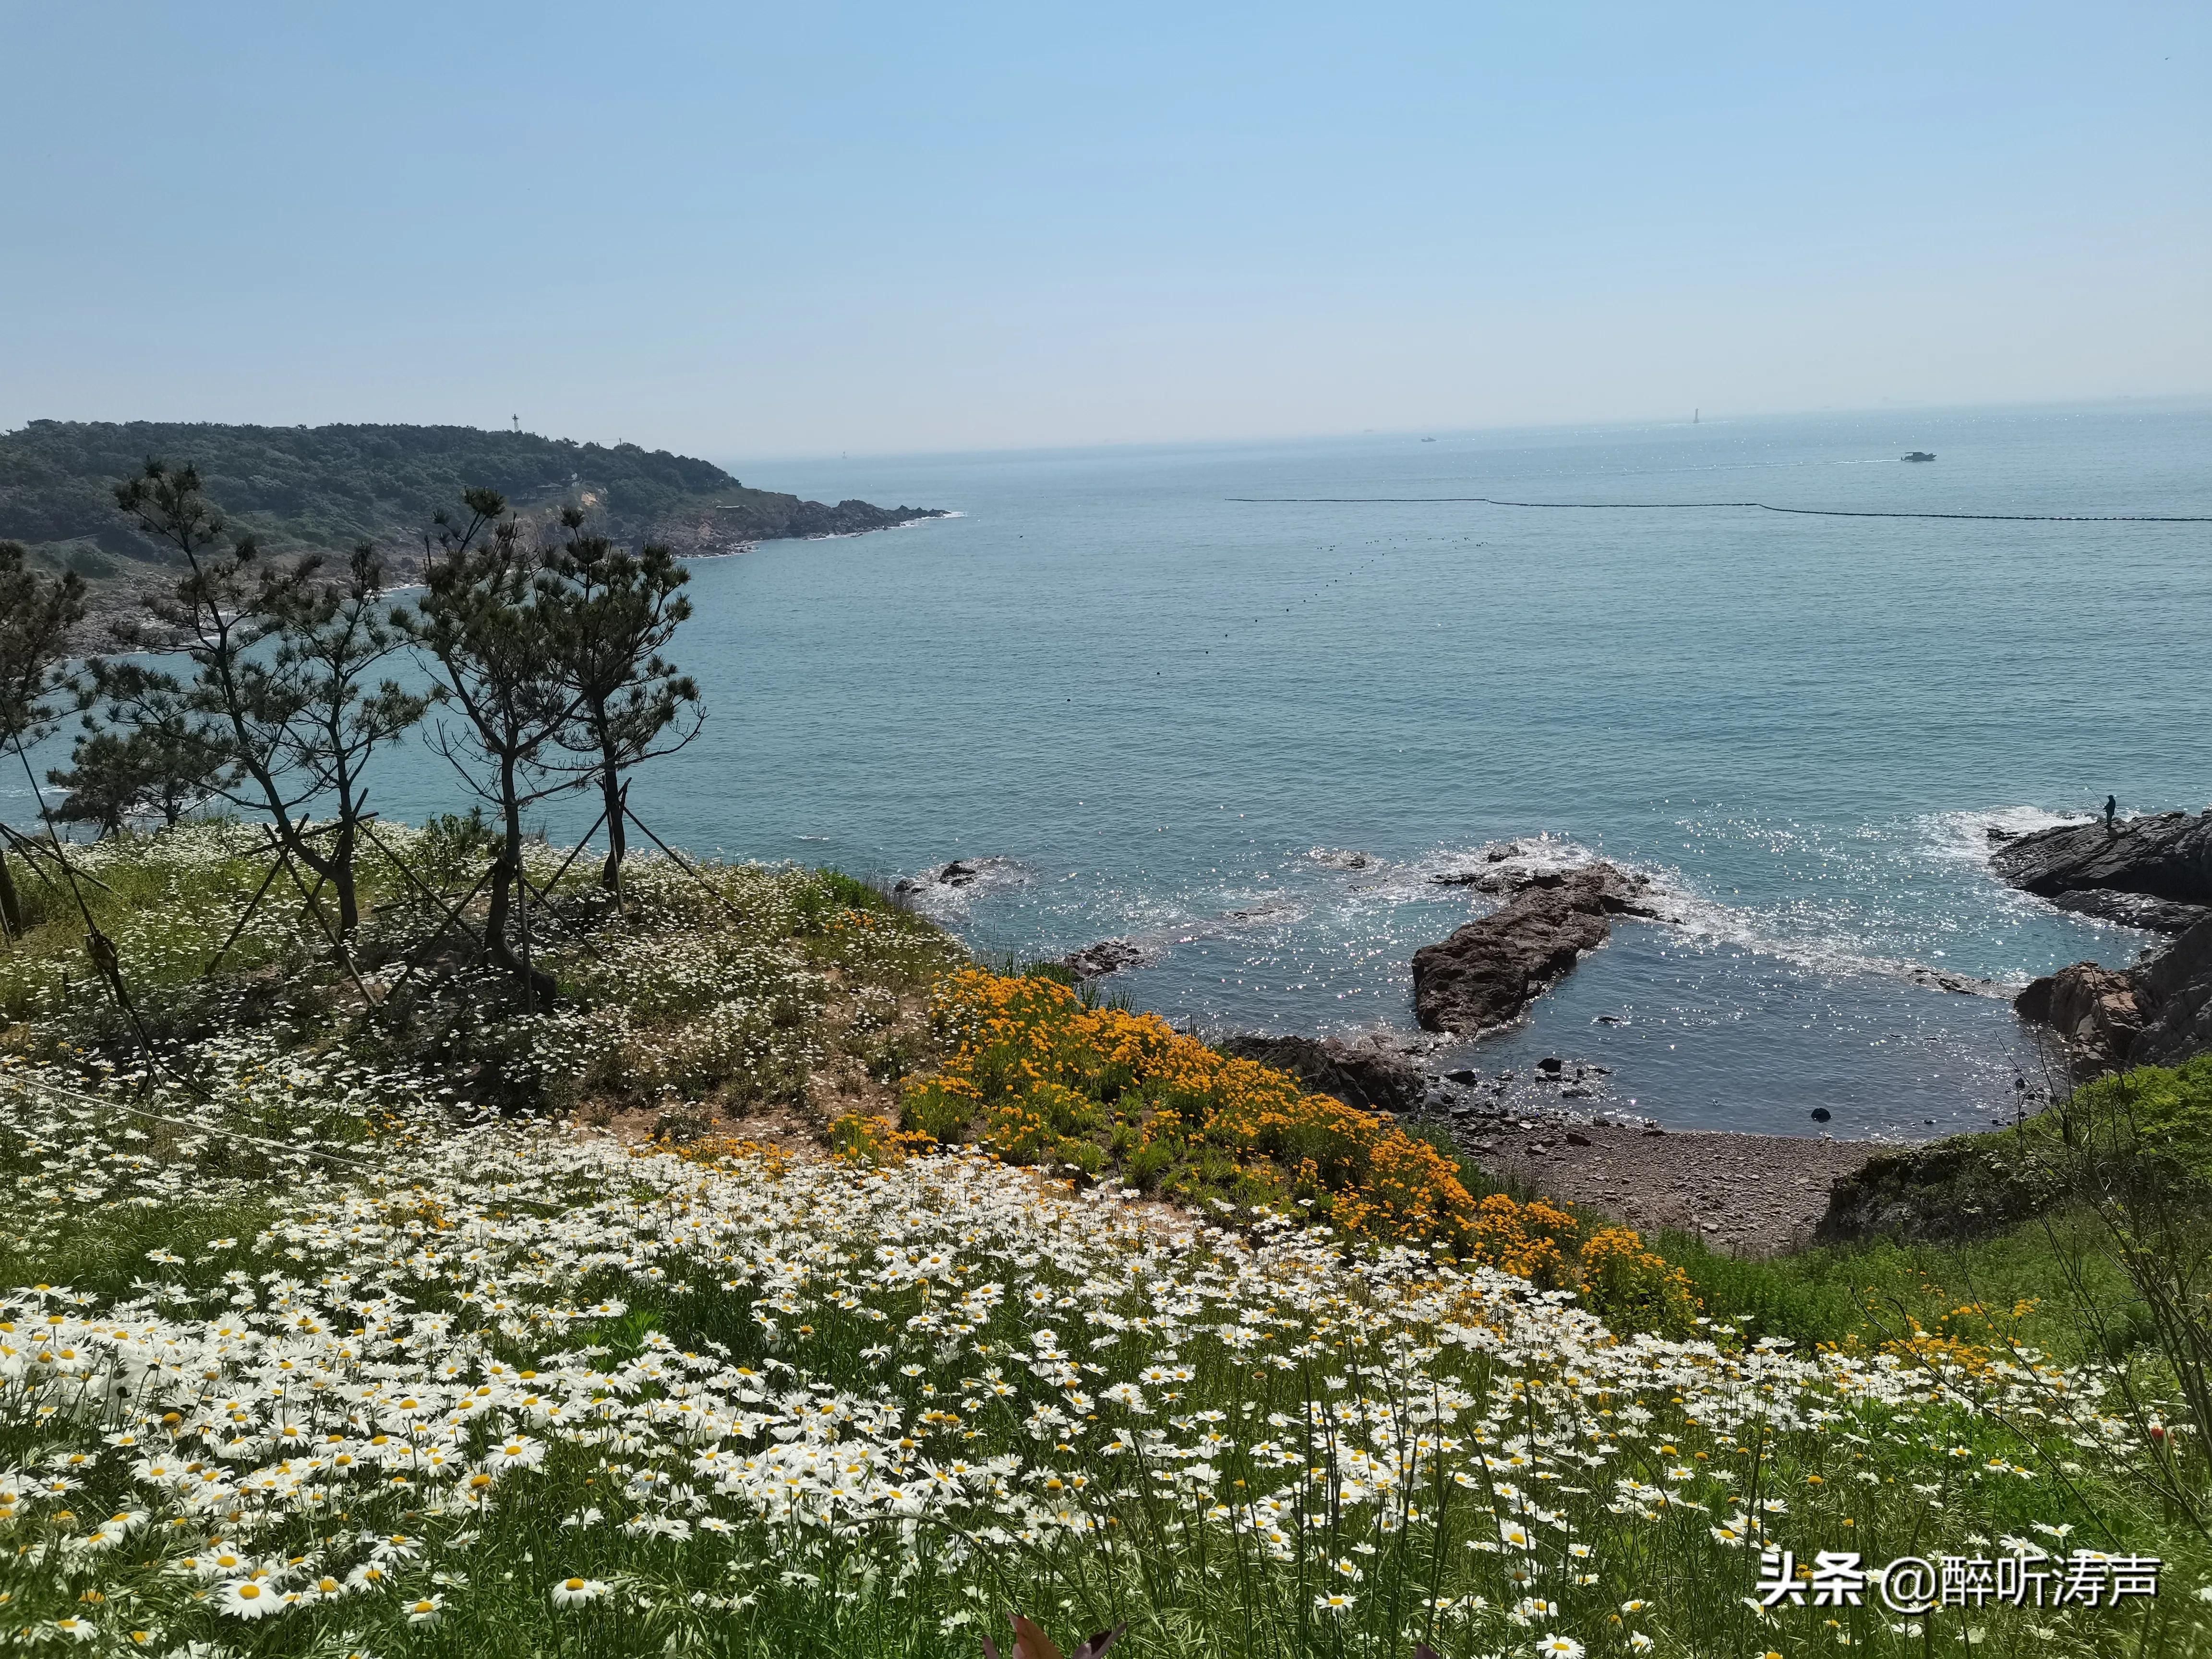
1633,1288
1037,1077
1531,1240
720,1149
1940,1353
1971,1336
863,1138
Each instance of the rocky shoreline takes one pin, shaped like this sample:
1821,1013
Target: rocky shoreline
1553,1131
739,527
1555,1128
2154,872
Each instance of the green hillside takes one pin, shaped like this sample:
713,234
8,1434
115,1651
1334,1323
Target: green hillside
331,487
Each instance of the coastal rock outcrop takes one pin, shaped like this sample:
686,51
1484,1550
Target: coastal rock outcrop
1367,1074
2153,871
2158,1012
1965,1187
2092,1010
1486,973
2176,987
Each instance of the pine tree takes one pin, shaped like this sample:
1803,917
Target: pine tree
482,630
609,612
145,751
37,613
295,723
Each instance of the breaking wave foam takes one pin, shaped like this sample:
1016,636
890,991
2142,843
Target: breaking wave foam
1708,921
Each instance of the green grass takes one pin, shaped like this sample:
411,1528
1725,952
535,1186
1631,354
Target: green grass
106,1255
2017,1286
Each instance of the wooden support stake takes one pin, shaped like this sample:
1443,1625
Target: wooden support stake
260,893
722,898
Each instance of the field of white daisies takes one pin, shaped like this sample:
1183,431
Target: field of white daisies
314,1341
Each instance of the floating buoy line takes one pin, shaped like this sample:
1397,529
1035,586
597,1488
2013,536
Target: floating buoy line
1763,507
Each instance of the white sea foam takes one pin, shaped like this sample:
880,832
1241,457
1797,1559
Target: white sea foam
1346,893
1340,858
1831,945
1513,861
1964,837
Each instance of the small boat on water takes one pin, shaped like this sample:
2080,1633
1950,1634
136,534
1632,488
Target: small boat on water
1921,455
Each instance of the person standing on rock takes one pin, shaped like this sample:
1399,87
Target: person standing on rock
2112,806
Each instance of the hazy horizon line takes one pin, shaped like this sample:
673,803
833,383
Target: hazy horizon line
1592,423
1318,435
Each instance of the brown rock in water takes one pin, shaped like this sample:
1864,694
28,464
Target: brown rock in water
2154,872
1489,971
2157,1013
2092,1009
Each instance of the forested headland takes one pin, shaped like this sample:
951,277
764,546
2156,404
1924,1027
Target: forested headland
326,488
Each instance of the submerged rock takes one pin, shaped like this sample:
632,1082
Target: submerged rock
1108,956
1488,972
1491,880
958,874
1964,985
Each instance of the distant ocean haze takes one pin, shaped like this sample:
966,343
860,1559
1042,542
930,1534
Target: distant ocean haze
1247,735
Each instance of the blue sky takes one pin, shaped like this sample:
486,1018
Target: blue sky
740,230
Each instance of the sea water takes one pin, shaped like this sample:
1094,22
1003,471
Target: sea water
1247,734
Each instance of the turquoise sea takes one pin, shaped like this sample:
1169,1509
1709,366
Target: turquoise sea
1245,734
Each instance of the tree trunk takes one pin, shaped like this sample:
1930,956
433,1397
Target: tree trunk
502,895
538,988
11,907
610,790
341,879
